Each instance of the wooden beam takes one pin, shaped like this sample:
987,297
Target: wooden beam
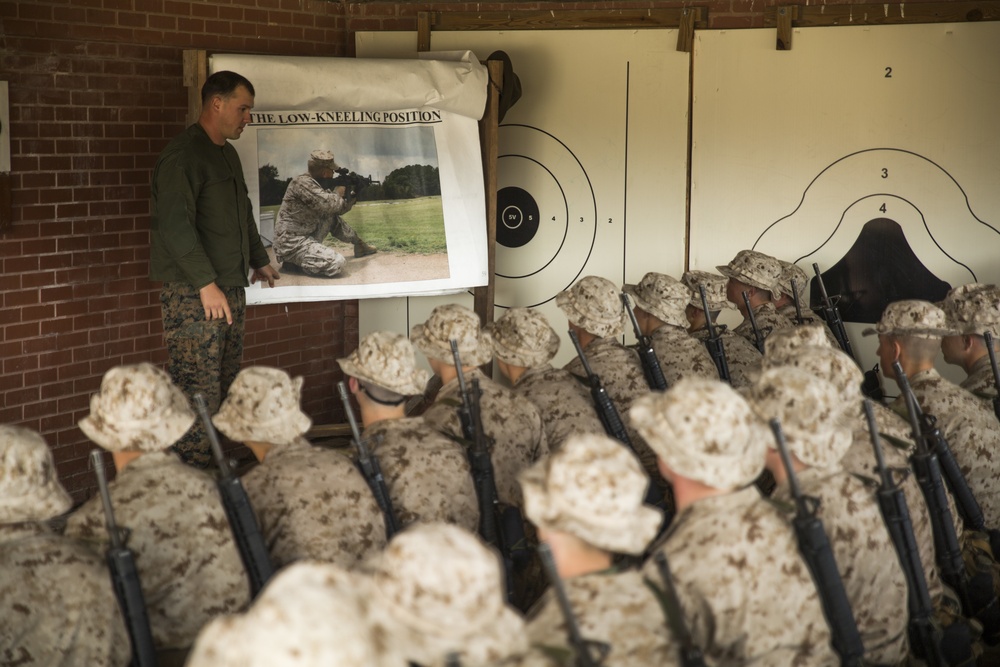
195,73
811,16
685,29
484,297
423,31
785,15
565,19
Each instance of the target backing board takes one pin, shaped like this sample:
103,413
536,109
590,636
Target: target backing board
803,153
591,169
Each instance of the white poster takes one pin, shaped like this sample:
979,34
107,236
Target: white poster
401,141
591,168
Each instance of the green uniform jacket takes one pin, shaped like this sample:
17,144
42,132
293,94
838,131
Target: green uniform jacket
202,226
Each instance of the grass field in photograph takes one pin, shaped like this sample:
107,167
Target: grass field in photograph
412,226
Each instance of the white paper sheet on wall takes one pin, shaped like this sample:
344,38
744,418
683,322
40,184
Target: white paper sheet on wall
591,172
858,138
408,130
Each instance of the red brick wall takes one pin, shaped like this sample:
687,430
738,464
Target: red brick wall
96,92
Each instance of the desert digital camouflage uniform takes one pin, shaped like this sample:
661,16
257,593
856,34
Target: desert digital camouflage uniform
427,473
972,433
195,345
510,420
56,601
562,401
309,212
57,604
866,558
438,590
184,550
614,607
592,490
682,356
768,320
980,380
747,595
741,355
313,503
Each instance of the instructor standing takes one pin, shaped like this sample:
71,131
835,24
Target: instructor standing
203,244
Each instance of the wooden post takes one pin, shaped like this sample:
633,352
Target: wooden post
195,73
784,19
488,131
423,31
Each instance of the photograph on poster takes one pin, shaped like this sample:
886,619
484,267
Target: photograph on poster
351,205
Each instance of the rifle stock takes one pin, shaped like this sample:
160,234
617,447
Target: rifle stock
757,335
924,638
370,468
814,545
124,576
647,355
583,649
988,338
239,511
716,346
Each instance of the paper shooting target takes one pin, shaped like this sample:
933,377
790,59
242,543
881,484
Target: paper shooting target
546,217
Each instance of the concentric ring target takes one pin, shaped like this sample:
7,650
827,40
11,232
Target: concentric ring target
546,217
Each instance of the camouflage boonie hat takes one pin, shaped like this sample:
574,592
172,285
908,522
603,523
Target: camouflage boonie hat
912,317
593,305
662,296
715,290
452,321
592,488
705,431
829,364
263,406
523,337
387,360
137,410
811,412
755,269
322,158
29,487
789,272
436,590
782,342
973,309
280,627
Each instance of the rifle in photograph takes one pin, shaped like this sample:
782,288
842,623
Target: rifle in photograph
647,355
239,511
369,466
124,575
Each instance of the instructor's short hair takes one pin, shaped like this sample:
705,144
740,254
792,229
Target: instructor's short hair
224,84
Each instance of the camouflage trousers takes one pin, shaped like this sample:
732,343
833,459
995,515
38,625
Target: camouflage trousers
204,356
310,254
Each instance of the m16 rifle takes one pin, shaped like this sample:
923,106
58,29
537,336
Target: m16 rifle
988,338
799,319
932,456
501,527
758,335
587,653
370,469
239,511
689,653
814,545
647,355
354,183
924,638
124,576
716,346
